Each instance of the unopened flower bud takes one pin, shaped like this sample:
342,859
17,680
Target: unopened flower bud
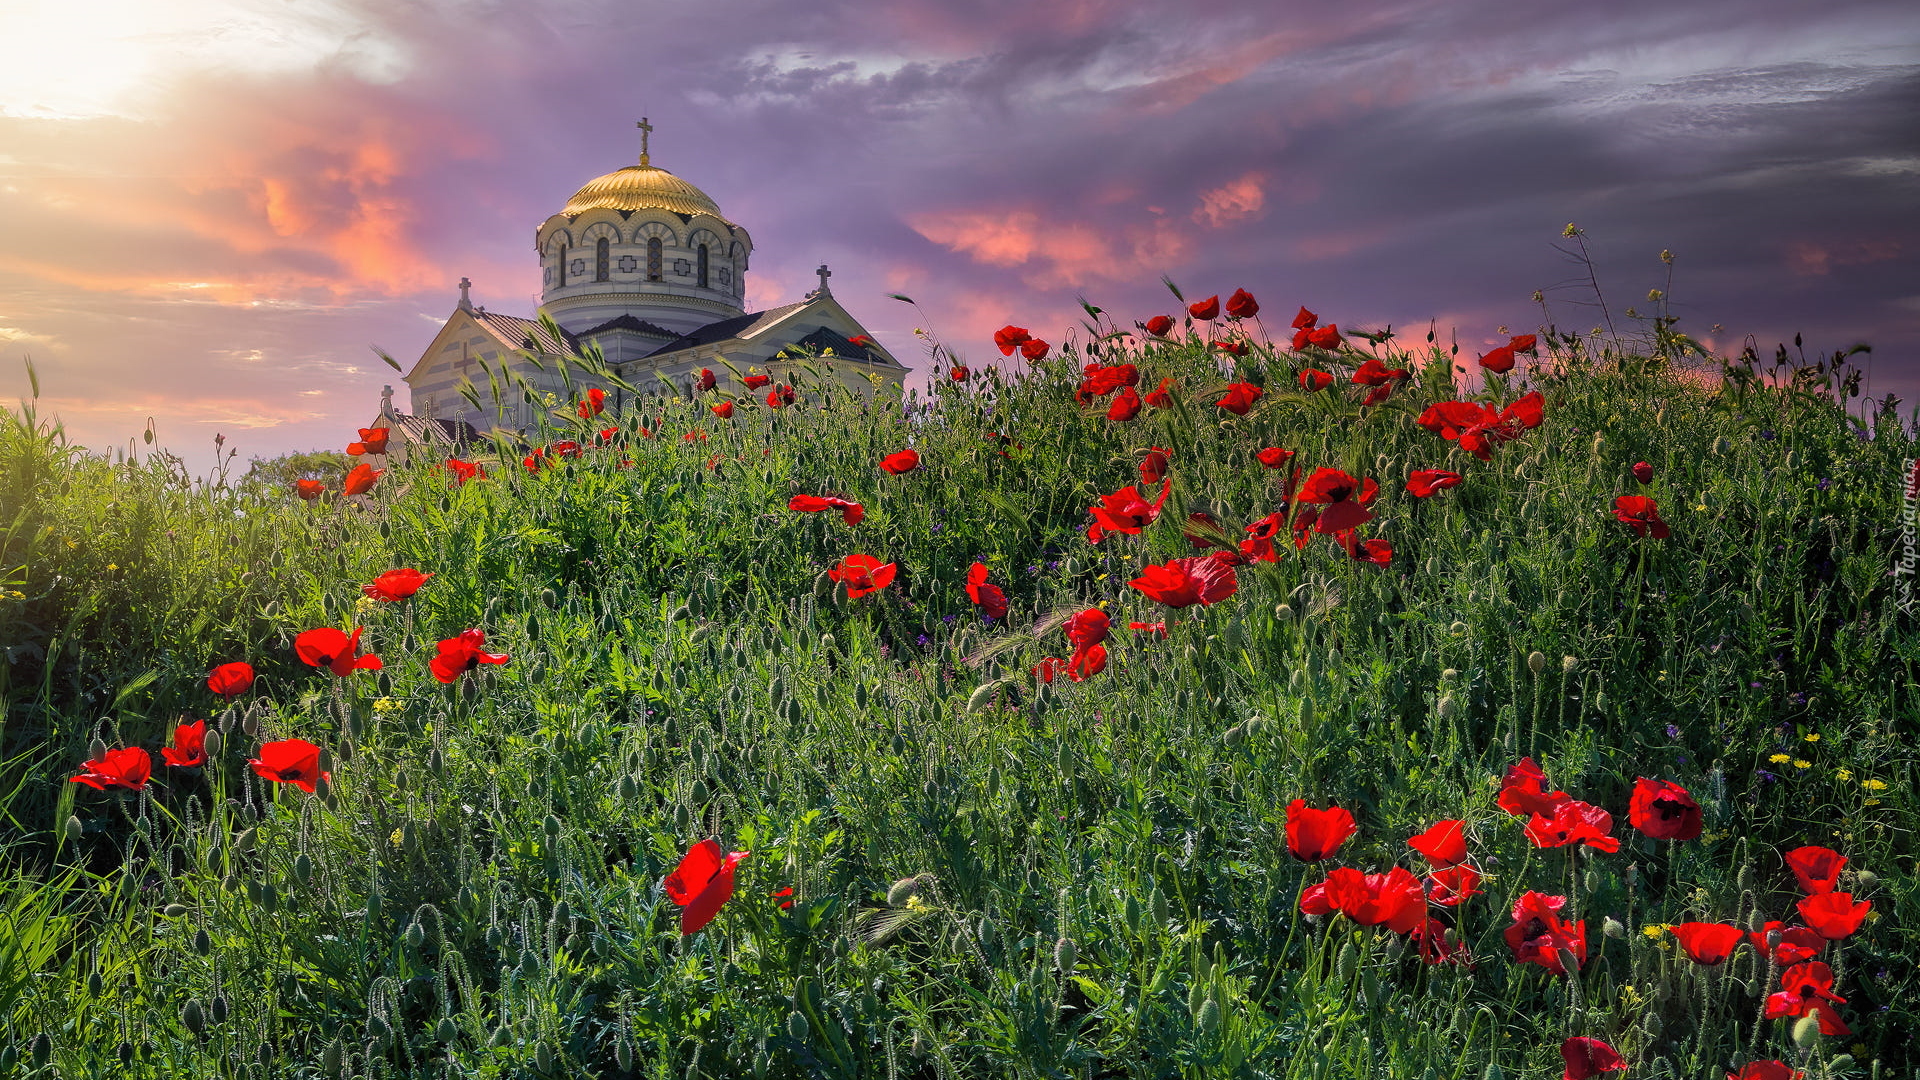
1536,661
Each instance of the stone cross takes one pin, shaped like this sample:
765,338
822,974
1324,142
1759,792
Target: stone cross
386,401
466,302
824,275
646,129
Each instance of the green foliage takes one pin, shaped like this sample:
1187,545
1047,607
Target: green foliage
990,876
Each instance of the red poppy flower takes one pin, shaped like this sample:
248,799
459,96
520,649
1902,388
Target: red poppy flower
1034,349
1523,791
1435,948
329,648
534,460
1046,669
1643,472
1086,662
1313,900
779,396
1345,499
595,403
862,574
1326,337
755,382
1313,381
1641,515
1152,629
373,440
706,381
958,373
1444,843
1304,520
1393,899
464,471
785,896
850,512
291,761
1205,310
1816,868
1663,810
1125,511
396,585
1273,457
702,883
1159,325
1197,579
1808,989
128,767
1538,934
691,436
864,341
459,655
1587,1058
1790,945
1375,373
1312,834
1242,305
724,410
1259,543
1424,483
360,480
1707,943
569,448
1089,627
1240,398
1162,396
1574,822
1834,915
1010,337
1305,320
1153,467
1231,348
989,598
1499,360
1375,551
1478,427
903,462
1126,405
1771,1069
1450,885
309,489
231,680
189,748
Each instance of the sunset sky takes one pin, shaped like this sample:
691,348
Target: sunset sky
210,209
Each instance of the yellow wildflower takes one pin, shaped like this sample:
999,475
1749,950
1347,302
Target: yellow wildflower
1802,763
1654,930
1874,785
1781,759
113,566
1813,736
1844,774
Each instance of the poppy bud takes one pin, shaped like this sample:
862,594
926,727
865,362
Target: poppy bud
302,868
902,891
501,1036
622,1054
416,935
125,1052
1536,661
1132,913
95,984
190,1015
202,942
1065,955
1806,1031
174,911
218,1009
1284,613
697,794
797,1026
1569,663
269,897
74,828
980,696
1234,736
1306,712
1343,967
1612,928
97,749
552,825
251,725
446,1031
1447,707
245,841
629,789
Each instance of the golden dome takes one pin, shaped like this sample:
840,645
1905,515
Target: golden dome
641,187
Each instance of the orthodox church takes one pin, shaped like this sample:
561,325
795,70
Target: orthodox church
644,265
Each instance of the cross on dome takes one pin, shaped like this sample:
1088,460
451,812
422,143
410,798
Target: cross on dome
646,129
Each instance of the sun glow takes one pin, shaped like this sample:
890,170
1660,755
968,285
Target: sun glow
66,61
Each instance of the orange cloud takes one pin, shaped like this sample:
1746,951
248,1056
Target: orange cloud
1057,254
1810,259
1236,200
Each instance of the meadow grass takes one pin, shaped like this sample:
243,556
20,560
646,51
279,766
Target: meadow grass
991,875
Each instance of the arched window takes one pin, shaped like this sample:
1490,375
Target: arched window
563,266
653,259
602,259
702,279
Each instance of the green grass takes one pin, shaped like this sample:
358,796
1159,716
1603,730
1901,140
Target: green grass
479,894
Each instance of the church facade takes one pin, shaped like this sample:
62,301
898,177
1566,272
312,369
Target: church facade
643,265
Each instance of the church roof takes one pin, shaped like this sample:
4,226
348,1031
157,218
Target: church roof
626,321
525,333
826,338
739,326
641,187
